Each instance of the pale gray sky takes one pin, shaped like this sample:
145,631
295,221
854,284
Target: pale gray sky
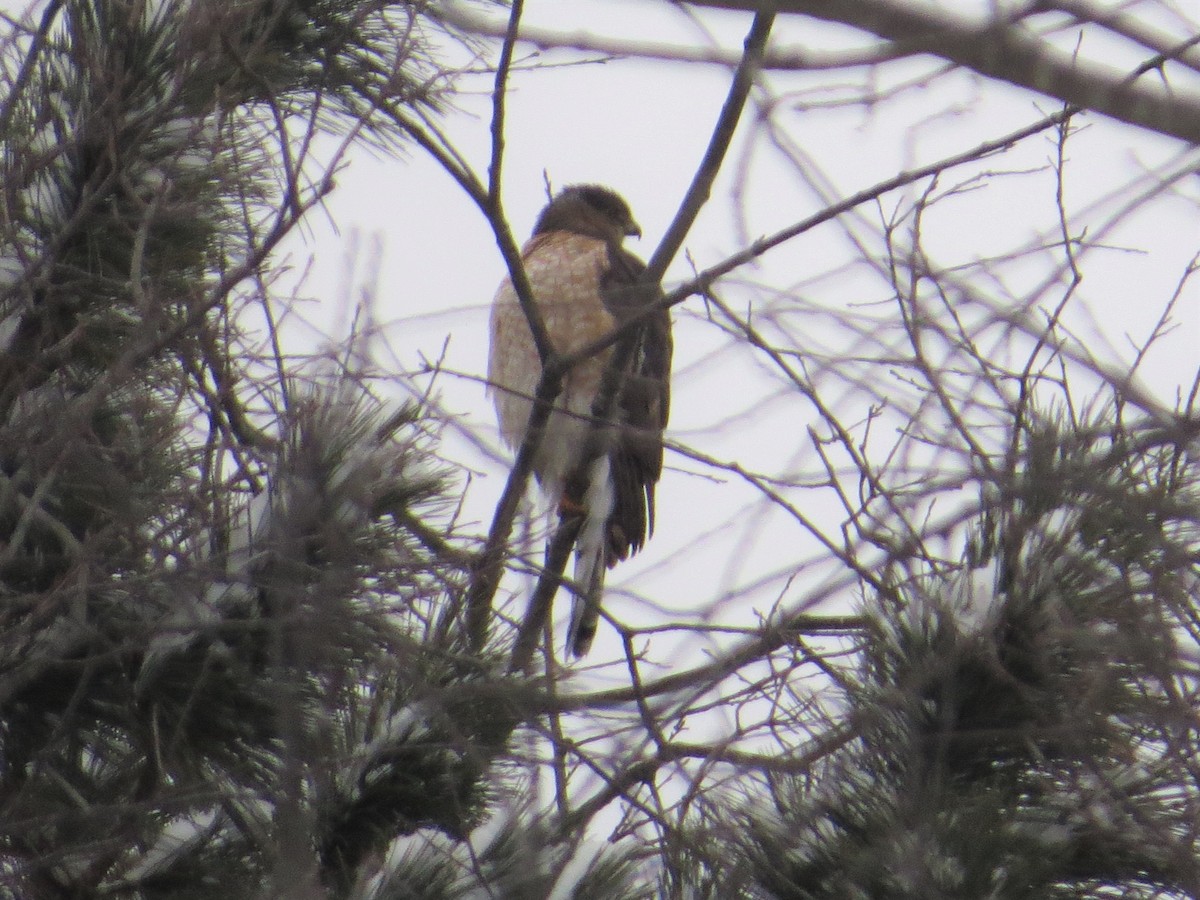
641,126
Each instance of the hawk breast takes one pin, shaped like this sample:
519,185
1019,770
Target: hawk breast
565,271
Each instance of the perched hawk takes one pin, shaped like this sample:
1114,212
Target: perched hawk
585,284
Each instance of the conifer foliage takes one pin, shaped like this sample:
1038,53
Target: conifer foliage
223,667
234,651
1021,727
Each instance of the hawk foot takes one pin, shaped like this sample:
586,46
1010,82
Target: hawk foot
569,508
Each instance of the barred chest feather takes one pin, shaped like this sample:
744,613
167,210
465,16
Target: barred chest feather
564,271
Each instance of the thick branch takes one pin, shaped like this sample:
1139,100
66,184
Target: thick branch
548,584
1005,51
489,565
475,22
499,94
718,145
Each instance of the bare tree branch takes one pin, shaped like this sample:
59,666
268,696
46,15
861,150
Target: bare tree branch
714,155
1001,49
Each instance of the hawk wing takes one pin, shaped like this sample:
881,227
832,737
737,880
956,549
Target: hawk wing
631,456
642,402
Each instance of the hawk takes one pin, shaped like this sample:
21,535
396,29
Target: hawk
584,285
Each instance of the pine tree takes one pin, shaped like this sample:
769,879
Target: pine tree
238,656
230,662
1019,726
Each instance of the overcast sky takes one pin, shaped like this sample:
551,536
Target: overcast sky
400,232
640,127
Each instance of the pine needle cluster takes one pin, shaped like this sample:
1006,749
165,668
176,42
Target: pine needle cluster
1018,727
229,665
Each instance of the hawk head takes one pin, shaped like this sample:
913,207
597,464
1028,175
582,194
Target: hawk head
590,210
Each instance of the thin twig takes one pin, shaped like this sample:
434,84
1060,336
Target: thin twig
16,92
702,282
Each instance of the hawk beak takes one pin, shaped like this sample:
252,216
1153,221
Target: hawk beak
633,229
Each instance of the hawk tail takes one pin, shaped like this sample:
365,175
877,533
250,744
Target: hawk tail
585,614
591,557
